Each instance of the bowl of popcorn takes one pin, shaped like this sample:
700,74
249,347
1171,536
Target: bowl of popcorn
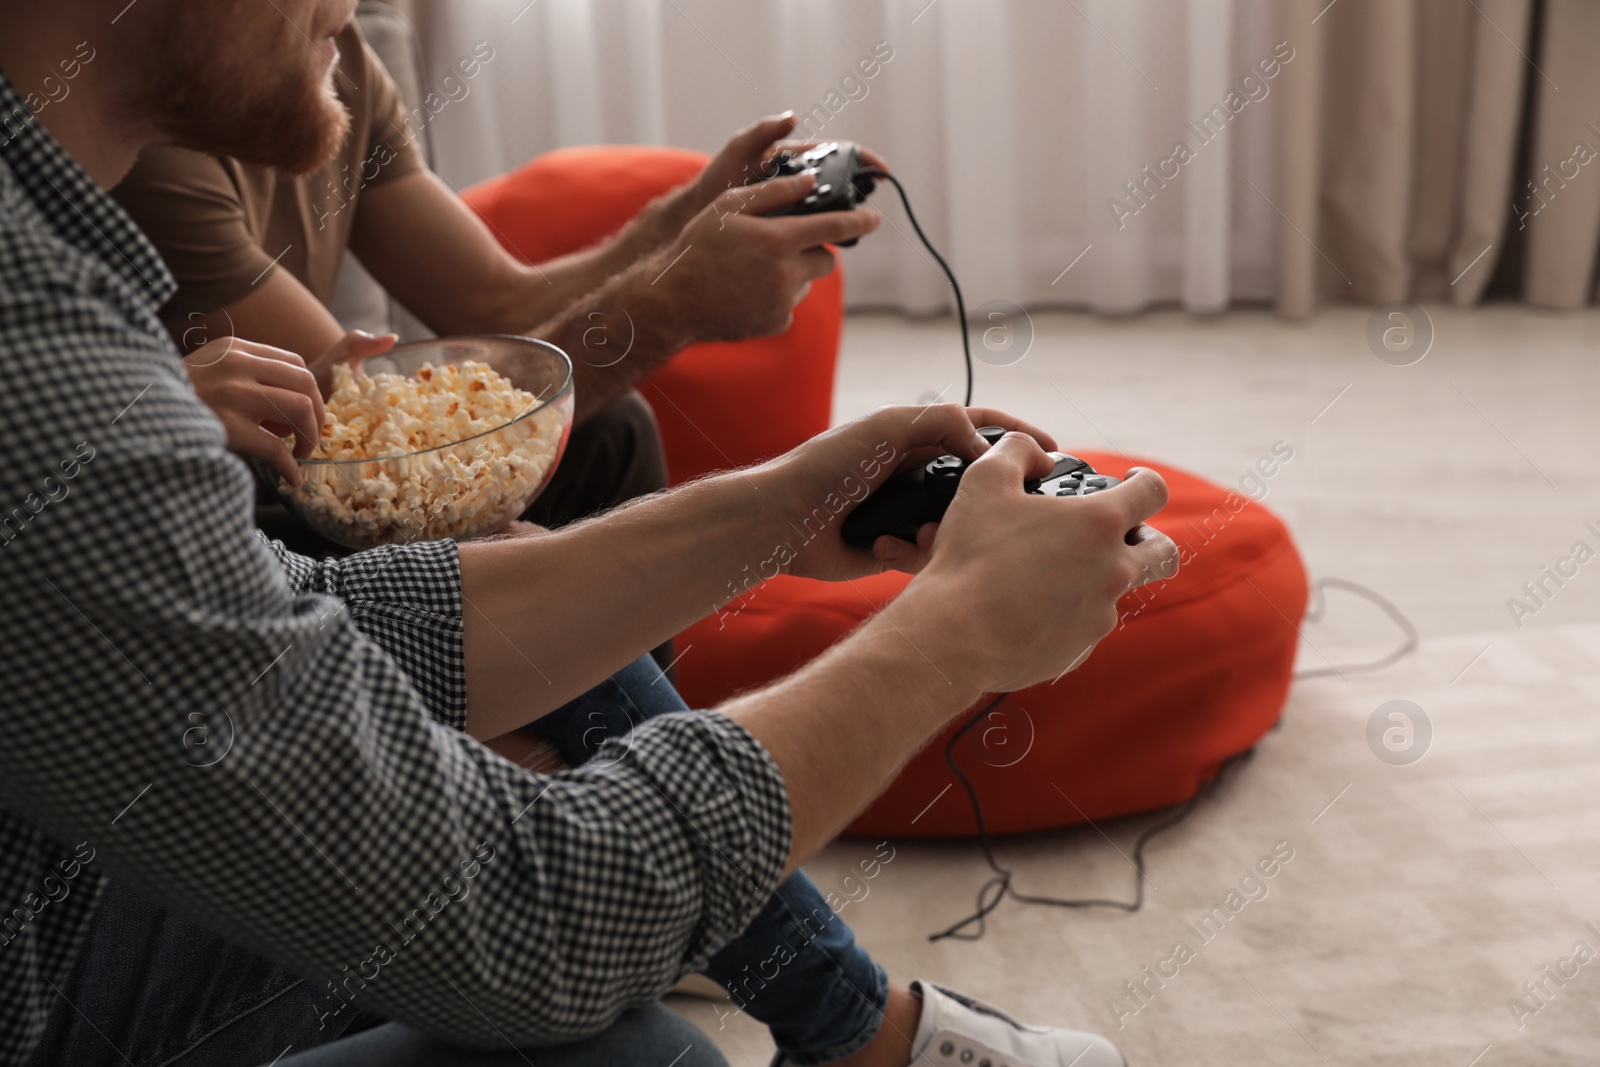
448,438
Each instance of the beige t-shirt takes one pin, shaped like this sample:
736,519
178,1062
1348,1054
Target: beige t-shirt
221,225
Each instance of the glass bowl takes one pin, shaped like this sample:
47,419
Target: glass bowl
464,489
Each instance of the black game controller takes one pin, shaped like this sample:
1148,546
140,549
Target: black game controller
920,495
843,181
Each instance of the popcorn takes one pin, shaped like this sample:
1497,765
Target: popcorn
433,467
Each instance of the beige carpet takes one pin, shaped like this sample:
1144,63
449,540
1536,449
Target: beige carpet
1413,909
1420,902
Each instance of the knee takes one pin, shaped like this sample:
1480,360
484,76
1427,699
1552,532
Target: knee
654,1028
626,442
631,418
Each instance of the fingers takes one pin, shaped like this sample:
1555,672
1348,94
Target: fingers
1008,464
994,417
352,348
753,141
766,196
252,439
944,426
293,378
816,263
289,409
828,227
1154,552
1142,493
899,555
953,428
359,344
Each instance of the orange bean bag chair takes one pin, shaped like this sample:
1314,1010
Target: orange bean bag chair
1198,670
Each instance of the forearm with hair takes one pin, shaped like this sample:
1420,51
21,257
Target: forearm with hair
616,335
842,727
541,292
549,616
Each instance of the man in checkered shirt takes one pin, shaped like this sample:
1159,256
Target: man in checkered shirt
274,759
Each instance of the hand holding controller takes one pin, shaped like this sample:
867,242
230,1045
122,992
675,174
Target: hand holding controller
843,180
915,497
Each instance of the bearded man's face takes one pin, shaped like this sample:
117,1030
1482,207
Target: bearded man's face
251,79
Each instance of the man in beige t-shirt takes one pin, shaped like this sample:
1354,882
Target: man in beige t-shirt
257,253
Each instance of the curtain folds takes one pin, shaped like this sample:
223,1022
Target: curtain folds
1105,154
1398,142
1032,135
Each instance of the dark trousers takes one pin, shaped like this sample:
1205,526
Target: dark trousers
150,988
614,456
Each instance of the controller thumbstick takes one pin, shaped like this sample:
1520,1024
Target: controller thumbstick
992,434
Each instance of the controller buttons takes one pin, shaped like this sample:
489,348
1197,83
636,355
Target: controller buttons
1070,491
1098,482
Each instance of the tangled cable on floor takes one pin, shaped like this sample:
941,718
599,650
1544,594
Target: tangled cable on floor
997,888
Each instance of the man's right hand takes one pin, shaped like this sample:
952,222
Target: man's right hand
1013,587
261,393
1016,589
733,274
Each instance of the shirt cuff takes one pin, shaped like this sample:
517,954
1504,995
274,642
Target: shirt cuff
406,599
727,789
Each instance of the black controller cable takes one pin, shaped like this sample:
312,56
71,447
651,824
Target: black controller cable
950,276
996,889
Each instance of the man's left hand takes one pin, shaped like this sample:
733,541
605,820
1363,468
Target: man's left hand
832,473
743,160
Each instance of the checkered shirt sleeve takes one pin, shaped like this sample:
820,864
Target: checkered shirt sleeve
271,746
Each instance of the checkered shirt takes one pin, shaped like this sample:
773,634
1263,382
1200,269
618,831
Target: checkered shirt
272,746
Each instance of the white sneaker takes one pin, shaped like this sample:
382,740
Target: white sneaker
957,1031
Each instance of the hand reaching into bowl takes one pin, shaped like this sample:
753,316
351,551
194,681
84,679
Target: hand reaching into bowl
352,348
262,393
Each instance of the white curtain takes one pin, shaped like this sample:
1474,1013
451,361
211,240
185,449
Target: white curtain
1014,124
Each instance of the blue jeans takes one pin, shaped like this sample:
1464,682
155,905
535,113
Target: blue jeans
149,988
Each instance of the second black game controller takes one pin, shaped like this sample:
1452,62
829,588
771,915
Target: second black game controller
912,498
843,180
